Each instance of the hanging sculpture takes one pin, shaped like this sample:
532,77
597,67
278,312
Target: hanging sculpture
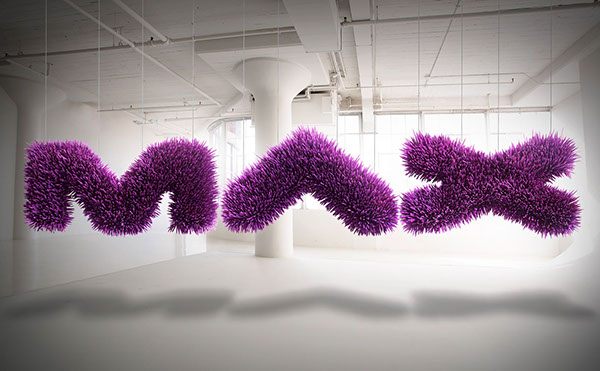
512,183
308,162
58,172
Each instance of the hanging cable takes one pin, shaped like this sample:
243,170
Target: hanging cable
278,73
374,62
498,123
143,42
46,71
244,44
193,62
462,68
98,79
243,78
419,115
551,66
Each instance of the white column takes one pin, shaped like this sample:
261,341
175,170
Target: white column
28,95
8,150
274,83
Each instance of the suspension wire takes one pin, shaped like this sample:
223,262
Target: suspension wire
419,123
498,123
98,83
46,71
462,67
243,79
551,67
143,42
244,44
375,15
278,72
193,63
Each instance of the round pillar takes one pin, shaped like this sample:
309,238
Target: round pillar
274,83
29,97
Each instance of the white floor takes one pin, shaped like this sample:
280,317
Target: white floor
27,265
233,311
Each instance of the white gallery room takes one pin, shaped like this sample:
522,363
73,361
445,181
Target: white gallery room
300,185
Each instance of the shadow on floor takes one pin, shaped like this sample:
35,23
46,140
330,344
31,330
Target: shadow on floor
352,302
426,304
440,304
113,303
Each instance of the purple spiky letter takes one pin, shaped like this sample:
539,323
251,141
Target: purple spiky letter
308,162
511,183
58,172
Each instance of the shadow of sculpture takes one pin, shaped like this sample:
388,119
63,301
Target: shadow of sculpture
426,304
440,304
113,303
351,302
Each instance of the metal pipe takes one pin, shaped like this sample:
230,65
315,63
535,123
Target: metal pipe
467,110
312,88
142,21
131,108
339,74
152,43
237,115
437,56
446,110
527,10
427,85
140,51
261,31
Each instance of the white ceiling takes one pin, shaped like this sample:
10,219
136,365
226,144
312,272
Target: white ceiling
524,49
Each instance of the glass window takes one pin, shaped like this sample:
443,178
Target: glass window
391,133
515,127
473,127
349,134
234,144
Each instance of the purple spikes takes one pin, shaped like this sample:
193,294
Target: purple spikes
308,162
512,183
57,172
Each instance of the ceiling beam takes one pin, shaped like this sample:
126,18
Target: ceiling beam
142,52
141,20
586,43
238,43
317,23
363,38
490,13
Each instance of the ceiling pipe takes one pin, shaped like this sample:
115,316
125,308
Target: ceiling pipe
142,21
153,43
267,31
237,115
437,56
512,80
312,89
528,10
140,51
446,110
340,71
150,108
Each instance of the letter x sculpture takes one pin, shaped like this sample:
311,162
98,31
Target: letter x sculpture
512,184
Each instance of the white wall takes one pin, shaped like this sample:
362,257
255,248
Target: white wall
589,70
8,149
